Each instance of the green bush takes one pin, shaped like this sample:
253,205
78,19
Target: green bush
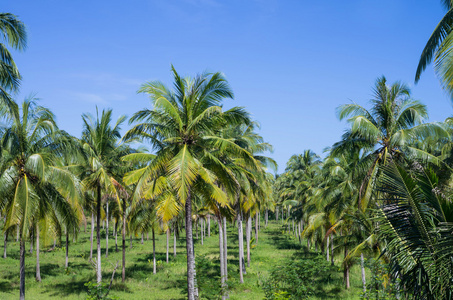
297,278
97,292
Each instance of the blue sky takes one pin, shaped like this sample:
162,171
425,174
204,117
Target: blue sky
290,63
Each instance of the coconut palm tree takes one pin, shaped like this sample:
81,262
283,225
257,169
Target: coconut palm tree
14,34
102,166
181,127
438,49
31,181
388,131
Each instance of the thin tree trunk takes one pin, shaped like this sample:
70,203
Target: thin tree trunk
67,250
168,242
154,252
266,217
142,241
259,221
174,242
190,250
346,270
116,236
327,248
241,248
256,229
331,249
98,236
248,229
85,222
362,265
123,234
209,225
196,229
22,269
221,257
225,256
202,230
91,236
38,266
107,230
5,241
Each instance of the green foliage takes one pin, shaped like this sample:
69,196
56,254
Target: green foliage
379,286
98,291
208,278
298,278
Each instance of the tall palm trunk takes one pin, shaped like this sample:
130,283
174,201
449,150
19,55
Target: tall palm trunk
123,234
5,241
209,226
107,230
174,242
225,249
331,249
168,242
221,253
241,248
38,266
256,229
142,240
190,252
91,236
362,266
266,217
98,236
116,236
154,253
327,248
248,229
22,269
202,231
67,249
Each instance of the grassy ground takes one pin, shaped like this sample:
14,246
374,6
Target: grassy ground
170,280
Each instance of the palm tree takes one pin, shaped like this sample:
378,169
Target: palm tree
14,34
181,127
438,49
31,182
101,170
387,132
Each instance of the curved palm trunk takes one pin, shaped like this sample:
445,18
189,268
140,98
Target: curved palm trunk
190,252
154,253
107,230
38,267
91,236
22,269
98,236
123,278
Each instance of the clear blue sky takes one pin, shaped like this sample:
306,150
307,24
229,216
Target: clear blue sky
290,63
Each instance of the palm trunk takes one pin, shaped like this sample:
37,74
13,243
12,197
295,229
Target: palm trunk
98,236
116,236
209,226
241,248
331,249
221,257
259,221
67,250
362,265
123,234
196,229
190,250
266,217
154,253
174,242
142,241
85,222
5,241
22,269
107,230
38,266
248,229
256,229
327,248
202,231
91,236
346,270
168,242
225,256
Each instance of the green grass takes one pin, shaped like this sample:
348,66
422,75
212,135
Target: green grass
170,281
